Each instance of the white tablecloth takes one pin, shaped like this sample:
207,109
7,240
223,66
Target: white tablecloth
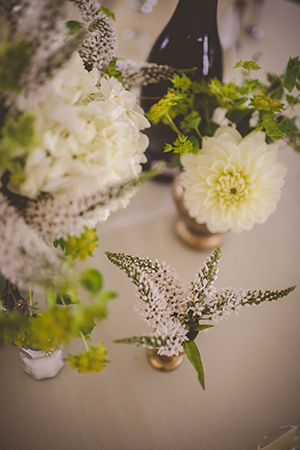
251,361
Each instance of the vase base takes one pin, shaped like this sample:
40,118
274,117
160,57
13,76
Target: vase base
41,366
199,241
164,363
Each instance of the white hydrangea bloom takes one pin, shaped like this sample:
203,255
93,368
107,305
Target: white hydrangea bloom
88,133
233,182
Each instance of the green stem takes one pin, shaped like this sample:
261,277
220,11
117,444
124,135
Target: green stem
30,301
84,341
199,134
11,292
173,126
72,12
249,79
290,113
62,300
274,90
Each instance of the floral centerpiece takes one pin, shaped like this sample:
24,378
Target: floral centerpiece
71,149
226,143
177,314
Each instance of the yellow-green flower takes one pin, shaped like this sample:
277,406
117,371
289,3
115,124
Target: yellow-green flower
91,361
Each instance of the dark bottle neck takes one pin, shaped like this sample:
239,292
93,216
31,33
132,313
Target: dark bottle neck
204,10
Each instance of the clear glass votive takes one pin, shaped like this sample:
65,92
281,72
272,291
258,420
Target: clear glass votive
284,438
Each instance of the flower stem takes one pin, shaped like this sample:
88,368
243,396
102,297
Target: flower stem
84,341
173,126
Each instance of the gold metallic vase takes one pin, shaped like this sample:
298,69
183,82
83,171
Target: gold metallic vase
164,363
194,234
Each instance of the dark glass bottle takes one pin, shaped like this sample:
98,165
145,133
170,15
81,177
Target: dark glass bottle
189,40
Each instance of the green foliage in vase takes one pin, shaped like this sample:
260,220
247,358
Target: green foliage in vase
65,318
251,106
177,314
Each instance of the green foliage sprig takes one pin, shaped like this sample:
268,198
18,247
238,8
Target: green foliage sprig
189,106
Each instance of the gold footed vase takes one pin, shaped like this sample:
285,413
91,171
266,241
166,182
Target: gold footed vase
164,363
192,233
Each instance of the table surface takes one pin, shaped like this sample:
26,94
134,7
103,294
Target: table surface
251,361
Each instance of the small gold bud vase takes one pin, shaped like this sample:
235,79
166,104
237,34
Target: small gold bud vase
194,234
164,363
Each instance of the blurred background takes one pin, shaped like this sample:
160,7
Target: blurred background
270,28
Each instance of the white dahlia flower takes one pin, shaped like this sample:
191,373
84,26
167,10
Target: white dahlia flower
233,182
88,133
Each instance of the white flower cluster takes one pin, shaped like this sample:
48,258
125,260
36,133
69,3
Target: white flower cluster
62,216
233,182
136,74
100,45
217,304
87,133
174,313
24,256
162,304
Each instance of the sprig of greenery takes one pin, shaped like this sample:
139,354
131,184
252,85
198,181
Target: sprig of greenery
188,107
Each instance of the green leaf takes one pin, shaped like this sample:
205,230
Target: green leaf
91,280
271,127
15,58
108,12
240,115
250,84
175,161
238,64
99,309
59,242
193,355
289,126
105,296
247,65
195,144
2,284
292,73
194,123
200,327
72,26
88,327
20,134
168,148
292,100
237,102
112,71
64,300
50,298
